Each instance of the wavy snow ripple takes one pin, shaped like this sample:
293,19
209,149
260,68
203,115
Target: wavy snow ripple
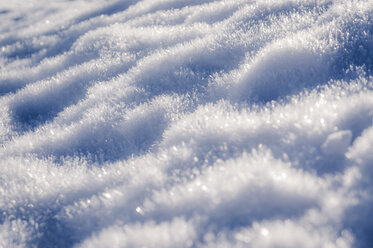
166,123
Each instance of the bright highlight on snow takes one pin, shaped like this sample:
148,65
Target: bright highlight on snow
167,123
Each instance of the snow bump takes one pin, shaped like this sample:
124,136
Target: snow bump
166,123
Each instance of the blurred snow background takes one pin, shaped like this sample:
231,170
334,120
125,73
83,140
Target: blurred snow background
201,123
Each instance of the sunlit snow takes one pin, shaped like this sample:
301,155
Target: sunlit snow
200,123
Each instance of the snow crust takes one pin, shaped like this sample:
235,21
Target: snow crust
201,123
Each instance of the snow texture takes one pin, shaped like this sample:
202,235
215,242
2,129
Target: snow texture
200,123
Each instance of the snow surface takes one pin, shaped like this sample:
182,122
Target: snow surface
200,123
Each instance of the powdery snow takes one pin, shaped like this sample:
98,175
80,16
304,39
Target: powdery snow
166,123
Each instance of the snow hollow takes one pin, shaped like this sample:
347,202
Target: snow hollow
200,123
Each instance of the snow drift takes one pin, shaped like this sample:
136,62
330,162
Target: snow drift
166,123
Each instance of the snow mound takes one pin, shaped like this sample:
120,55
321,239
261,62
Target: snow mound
202,123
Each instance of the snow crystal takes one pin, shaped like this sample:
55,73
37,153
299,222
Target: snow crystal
202,123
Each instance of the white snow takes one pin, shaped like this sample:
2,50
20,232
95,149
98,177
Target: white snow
337,143
202,123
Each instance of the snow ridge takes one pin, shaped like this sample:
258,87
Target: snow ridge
166,123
